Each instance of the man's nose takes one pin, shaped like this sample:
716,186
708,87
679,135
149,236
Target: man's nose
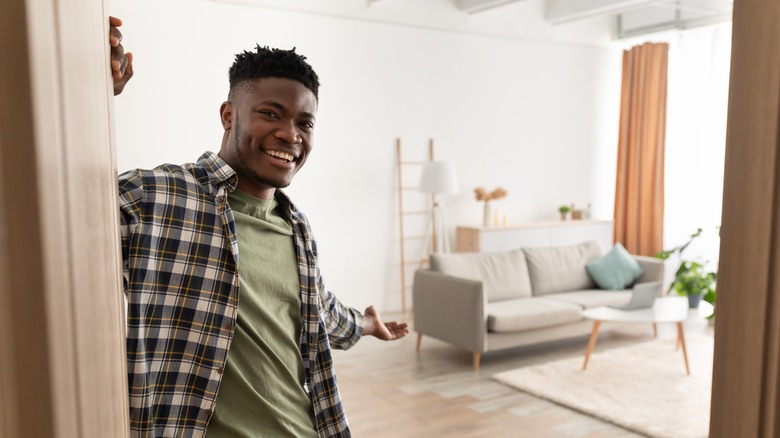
288,133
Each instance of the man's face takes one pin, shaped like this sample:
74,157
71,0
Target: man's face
269,130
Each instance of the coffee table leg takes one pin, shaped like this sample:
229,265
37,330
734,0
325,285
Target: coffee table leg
592,342
681,341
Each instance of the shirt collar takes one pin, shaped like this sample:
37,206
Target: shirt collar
219,172
287,206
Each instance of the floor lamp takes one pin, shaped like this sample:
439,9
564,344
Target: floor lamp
439,178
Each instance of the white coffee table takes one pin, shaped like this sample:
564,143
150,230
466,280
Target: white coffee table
668,309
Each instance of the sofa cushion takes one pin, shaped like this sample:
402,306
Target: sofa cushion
588,299
504,275
616,270
561,269
530,313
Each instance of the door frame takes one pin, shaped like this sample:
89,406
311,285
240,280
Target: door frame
62,341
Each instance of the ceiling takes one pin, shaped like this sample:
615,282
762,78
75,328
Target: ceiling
590,22
632,17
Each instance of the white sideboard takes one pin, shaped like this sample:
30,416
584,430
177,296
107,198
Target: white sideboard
533,234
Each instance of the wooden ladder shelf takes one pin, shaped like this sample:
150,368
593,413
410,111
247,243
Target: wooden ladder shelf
404,214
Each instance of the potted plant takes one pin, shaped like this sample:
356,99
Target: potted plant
564,210
691,279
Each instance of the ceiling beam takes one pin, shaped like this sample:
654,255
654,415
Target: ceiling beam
562,11
472,6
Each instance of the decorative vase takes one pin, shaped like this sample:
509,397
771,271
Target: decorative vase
487,216
694,300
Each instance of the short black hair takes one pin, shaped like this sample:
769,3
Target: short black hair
266,62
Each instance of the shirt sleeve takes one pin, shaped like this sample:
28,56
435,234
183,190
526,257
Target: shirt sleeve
130,199
344,324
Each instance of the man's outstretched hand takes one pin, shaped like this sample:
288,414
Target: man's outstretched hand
121,62
387,331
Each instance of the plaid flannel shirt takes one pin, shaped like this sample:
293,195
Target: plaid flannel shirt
180,257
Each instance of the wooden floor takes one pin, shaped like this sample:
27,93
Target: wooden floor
389,390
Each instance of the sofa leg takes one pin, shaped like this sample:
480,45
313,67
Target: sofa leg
419,340
475,360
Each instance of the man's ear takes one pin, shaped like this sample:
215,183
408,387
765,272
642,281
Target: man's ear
226,115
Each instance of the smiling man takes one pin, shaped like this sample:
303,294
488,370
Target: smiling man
229,325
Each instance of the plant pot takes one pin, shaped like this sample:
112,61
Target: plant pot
564,215
694,300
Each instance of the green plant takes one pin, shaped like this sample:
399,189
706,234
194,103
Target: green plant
691,277
564,209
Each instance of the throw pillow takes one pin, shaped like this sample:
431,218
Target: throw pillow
561,268
616,270
504,275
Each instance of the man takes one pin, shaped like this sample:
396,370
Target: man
230,326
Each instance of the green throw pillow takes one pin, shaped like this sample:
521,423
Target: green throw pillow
616,270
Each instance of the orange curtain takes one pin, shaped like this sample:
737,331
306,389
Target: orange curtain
639,192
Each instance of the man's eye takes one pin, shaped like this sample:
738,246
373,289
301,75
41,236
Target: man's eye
267,113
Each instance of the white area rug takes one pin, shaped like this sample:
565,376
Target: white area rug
642,387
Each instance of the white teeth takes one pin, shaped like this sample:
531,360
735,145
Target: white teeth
282,155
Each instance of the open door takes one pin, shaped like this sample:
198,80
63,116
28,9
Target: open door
746,375
62,343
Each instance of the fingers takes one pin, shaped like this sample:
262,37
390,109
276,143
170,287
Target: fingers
118,61
125,68
114,35
128,72
397,330
121,62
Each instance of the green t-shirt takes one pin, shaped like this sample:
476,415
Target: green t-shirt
262,394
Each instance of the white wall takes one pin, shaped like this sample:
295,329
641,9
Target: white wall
539,119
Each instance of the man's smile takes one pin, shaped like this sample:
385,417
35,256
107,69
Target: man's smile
280,155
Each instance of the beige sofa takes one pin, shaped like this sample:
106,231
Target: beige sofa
489,301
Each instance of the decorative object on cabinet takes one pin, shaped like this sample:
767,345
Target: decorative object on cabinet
489,217
564,211
439,178
580,213
575,213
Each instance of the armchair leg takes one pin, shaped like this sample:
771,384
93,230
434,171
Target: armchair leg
419,340
475,360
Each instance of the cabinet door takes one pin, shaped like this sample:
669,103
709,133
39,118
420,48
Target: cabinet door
579,233
507,240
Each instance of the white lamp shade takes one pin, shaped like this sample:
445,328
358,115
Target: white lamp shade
439,177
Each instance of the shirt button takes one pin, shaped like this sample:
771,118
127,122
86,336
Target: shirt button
208,412
232,180
220,199
229,326
221,370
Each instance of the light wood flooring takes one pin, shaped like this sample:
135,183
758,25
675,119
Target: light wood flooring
389,390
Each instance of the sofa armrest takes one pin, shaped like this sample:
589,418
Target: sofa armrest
450,308
653,269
